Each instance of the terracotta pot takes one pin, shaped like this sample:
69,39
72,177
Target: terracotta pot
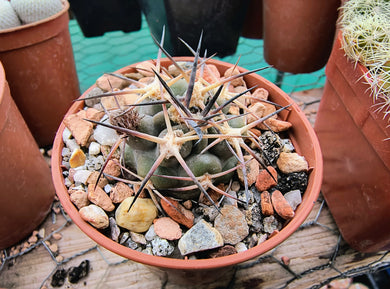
207,270
298,34
220,20
26,191
38,60
253,21
356,155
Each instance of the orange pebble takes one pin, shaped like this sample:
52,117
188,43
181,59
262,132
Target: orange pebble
266,204
281,206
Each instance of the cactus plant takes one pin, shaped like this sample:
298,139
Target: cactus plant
32,11
184,134
365,28
8,16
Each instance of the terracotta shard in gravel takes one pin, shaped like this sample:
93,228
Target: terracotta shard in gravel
265,181
178,213
281,206
80,129
166,228
266,204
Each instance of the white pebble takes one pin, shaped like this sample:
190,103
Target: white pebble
81,176
105,135
71,144
94,148
107,188
66,134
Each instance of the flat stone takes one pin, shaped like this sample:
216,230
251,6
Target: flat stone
104,135
95,216
80,129
232,225
93,178
256,111
178,213
232,71
223,251
108,82
265,181
202,236
138,238
166,228
120,192
294,198
139,218
100,198
292,163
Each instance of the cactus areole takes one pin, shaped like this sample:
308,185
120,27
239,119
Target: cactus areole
192,125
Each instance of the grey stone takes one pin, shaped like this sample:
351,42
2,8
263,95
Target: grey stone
294,198
232,225
150,234
161,247
271,224
202,236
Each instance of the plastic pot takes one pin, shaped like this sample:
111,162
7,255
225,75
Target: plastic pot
207,270
26,191
356,155
221,22
253,22
298,34
39,63
104,16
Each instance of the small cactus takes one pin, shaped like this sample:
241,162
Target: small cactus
365,26
8,16
184,134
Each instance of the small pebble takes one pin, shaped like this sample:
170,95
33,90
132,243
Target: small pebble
80,129
166,228
252,171
138,238
104,135
79,198
292,163
77,158
281,206
94,148
266,205
150,234
57,236
81,176
232,225
161,247
294,198
202,236
120,192
266,179
100,198
95,216
139,218
178,213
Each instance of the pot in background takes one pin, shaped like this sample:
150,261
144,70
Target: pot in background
26,191
355,141
298,34
40,67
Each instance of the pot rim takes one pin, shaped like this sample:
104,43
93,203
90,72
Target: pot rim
303,210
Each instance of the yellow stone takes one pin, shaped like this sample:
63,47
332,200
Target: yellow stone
77,158
139,218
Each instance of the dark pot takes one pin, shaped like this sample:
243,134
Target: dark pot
104,16
221,22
